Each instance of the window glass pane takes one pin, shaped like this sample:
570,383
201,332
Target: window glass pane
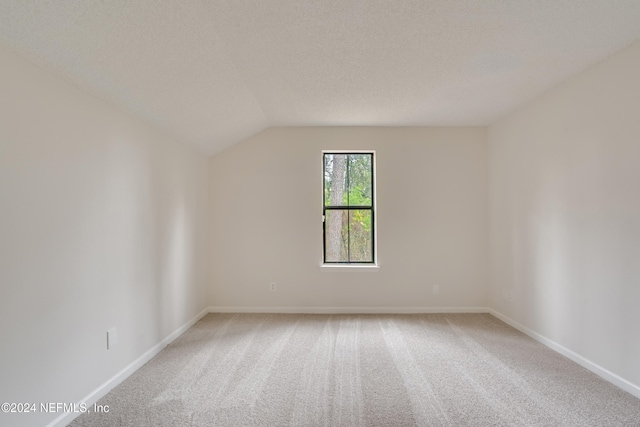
335,173
360,236
336,235
348,200
358,180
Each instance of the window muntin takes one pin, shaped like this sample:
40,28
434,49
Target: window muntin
348,208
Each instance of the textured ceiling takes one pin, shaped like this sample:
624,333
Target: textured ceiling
215,72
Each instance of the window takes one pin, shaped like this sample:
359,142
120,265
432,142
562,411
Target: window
348,208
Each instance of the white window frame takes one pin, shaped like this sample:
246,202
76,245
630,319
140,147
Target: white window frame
347,266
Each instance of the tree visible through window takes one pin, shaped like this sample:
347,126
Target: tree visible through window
348,212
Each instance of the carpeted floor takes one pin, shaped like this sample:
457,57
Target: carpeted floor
361,370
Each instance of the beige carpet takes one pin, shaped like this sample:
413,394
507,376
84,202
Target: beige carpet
361,370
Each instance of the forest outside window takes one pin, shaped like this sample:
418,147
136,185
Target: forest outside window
348,208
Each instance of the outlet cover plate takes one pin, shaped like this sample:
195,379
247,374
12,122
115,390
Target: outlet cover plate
112,338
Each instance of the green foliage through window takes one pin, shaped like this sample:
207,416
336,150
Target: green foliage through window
348,208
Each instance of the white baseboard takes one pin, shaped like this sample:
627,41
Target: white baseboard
348,310
580,360
108,385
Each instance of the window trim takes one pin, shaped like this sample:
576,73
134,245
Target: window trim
358,265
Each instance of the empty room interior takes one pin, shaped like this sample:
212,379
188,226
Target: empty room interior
305,213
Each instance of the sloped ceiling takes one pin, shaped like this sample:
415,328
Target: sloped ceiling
215,72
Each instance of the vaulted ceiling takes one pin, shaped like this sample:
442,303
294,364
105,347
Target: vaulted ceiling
215,72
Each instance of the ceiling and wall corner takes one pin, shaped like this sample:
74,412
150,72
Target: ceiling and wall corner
215,73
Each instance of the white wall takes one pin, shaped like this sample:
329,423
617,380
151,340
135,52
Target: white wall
103,223
266,204
565,214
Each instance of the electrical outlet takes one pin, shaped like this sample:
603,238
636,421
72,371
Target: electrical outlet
508,295
436,289
112,338
272,286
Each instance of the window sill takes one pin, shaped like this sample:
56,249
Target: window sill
342,268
